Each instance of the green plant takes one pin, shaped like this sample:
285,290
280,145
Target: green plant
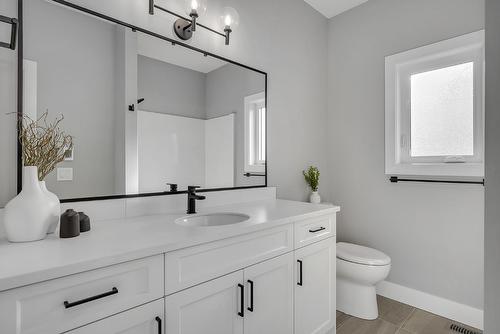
312,177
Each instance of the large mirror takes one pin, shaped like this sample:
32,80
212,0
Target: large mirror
144,112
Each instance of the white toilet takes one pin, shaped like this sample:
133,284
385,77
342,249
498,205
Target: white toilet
359,269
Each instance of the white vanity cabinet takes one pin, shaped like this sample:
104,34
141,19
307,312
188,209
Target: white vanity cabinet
209,308
315,288
276,280
145,319
256,300
66,303
269,296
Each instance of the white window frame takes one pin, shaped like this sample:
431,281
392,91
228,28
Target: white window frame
252,163
398,71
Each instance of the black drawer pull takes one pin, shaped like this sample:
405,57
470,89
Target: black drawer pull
250,308
317,230
241,313
158,320
300,282
113,291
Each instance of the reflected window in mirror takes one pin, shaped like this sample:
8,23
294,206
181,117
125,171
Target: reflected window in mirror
255,133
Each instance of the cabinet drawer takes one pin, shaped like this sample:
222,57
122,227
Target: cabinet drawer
145,319
194,265
311,230
62,304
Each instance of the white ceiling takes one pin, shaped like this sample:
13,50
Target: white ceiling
158,49
330,8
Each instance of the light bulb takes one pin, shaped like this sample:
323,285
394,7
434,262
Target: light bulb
230,18
194,5
198,7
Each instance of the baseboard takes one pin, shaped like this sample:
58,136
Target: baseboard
443,307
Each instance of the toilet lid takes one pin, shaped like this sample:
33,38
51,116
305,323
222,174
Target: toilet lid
362,255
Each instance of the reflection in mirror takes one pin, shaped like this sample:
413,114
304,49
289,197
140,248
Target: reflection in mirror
142,111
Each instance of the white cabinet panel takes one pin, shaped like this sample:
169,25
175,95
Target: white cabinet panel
65,303
194,265
313,230
269,296
146,319
315,288
209,308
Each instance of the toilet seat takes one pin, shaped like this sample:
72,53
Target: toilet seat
361,255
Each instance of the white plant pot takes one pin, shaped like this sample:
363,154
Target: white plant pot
315,198
27,216
55,205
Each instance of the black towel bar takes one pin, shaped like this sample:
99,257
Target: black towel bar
395,179
250,174
13,34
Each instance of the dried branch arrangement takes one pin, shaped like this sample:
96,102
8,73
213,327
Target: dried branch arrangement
44,143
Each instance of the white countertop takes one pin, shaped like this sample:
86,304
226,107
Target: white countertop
114,241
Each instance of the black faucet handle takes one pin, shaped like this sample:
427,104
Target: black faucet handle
192,189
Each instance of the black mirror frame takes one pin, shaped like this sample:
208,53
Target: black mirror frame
20,56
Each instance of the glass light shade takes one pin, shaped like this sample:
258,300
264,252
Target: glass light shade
198,6
229,18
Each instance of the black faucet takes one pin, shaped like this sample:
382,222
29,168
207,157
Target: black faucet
192,197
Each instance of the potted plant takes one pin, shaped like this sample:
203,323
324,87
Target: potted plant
312,179
35,211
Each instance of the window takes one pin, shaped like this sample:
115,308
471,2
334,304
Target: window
435,109
255,133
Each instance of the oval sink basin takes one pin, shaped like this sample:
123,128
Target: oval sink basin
212,219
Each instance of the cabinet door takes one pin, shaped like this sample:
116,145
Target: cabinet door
269,296
315,288
146,319
214,307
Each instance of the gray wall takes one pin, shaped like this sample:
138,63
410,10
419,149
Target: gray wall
433,233
75,54
170,89
492,196
226,90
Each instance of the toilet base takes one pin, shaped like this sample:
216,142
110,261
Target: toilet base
357,300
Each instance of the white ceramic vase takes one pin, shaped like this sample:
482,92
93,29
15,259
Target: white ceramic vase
27,216
55,205
315,198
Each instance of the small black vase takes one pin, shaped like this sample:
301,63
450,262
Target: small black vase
84,222
70,224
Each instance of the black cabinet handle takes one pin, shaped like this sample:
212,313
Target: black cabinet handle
300,282
158,320
113,291
251,296
241,313
317,230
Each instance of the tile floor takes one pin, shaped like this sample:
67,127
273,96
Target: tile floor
396,318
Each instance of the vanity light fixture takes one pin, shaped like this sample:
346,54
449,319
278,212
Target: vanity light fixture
185,27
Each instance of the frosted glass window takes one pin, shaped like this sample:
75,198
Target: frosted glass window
442,112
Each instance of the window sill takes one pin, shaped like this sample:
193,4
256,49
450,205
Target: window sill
436,169
255,169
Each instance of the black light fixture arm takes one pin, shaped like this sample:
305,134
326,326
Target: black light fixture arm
193,20
13,35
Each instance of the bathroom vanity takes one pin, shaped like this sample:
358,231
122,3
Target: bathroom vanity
273,273
162,112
